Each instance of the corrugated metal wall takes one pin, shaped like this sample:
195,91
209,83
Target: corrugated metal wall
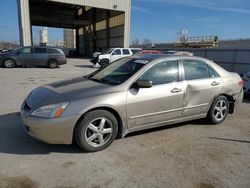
118,5
235,60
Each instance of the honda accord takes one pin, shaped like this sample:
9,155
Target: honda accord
131,94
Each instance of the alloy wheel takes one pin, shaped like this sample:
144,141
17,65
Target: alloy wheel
220,110
98,132
9,63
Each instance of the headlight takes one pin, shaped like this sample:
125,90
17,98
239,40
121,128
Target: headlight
50,111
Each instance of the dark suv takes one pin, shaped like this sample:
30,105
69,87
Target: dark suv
33,56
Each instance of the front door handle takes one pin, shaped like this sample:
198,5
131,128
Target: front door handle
176,90
215,83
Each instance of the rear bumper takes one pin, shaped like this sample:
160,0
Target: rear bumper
238,98
51,131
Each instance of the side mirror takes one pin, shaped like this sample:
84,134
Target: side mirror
144,83
114,53
17,53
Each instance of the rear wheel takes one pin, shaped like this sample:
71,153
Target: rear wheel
9,63
53,64
218,110
96,131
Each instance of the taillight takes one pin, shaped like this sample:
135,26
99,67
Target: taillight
241,83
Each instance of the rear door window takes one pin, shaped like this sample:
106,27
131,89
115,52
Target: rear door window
126,52
213,73
195,69
39,50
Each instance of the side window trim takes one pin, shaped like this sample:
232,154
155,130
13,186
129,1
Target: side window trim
180,68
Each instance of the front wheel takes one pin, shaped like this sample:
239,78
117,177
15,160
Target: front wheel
9,63
96,131
104,63
218,110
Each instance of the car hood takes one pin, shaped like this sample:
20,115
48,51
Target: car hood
7,53
66,91
103,55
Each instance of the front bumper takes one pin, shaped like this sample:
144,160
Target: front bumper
51,131
94,60
62,62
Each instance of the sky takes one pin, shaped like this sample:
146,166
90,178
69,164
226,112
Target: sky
159,20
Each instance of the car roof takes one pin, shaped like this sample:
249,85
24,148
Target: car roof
36,46
151,57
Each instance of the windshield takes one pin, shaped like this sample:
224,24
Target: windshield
108,51
118,72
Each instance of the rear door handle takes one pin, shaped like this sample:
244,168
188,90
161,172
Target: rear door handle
215,83
176,90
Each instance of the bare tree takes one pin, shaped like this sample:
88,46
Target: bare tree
147,41
135,41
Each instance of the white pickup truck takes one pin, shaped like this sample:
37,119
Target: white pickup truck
112,54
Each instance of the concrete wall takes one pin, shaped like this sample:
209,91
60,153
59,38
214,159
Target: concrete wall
69,36
24,22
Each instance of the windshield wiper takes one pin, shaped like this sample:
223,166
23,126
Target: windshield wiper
104,81
110,82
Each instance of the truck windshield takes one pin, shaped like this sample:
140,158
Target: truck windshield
118,72
108,51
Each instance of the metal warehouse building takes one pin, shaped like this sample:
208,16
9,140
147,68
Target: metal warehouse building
99,24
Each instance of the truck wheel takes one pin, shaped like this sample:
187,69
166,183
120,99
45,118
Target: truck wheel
104,63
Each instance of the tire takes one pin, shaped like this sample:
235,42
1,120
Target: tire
96,131
218,110
104,63
53,63
9,63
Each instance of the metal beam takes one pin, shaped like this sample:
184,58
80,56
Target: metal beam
55,21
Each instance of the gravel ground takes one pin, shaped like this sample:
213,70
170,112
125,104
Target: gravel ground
191,154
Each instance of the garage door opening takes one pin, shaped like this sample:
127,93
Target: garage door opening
97,25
